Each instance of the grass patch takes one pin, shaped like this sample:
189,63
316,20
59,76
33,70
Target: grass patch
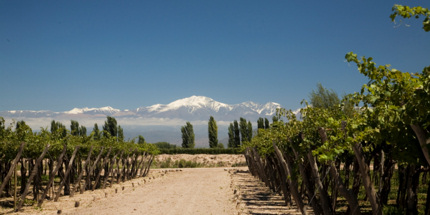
168,163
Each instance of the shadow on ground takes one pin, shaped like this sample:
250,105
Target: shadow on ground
254,197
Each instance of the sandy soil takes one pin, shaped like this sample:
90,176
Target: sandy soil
192,191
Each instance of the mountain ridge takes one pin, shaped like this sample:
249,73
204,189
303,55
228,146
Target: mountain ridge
191,107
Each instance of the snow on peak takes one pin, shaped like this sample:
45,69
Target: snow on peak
75,111
192,103
106,109
152,108
270,108
250,104
266,109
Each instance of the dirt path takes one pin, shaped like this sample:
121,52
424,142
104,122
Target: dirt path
191,191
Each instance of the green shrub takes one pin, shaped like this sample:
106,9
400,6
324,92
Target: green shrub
193,151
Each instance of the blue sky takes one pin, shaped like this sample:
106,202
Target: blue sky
57,55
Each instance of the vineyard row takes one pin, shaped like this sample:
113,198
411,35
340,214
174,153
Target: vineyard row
75,168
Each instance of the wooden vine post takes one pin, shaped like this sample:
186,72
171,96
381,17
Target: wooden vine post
119,172
30,179
310,187
350,198
109,172
134,164
149,165
12,168
325,202
125,167
88,181
15,188
78,181
292,183
260,166
282,177
69,167
144,157
364,171
52,176
99,173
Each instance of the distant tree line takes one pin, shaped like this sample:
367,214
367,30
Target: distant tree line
242,132
238,132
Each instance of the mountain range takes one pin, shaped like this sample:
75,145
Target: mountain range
191,108
159,122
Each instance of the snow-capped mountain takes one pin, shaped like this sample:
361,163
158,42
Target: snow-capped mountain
192,104
191,108
200,107
103,110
